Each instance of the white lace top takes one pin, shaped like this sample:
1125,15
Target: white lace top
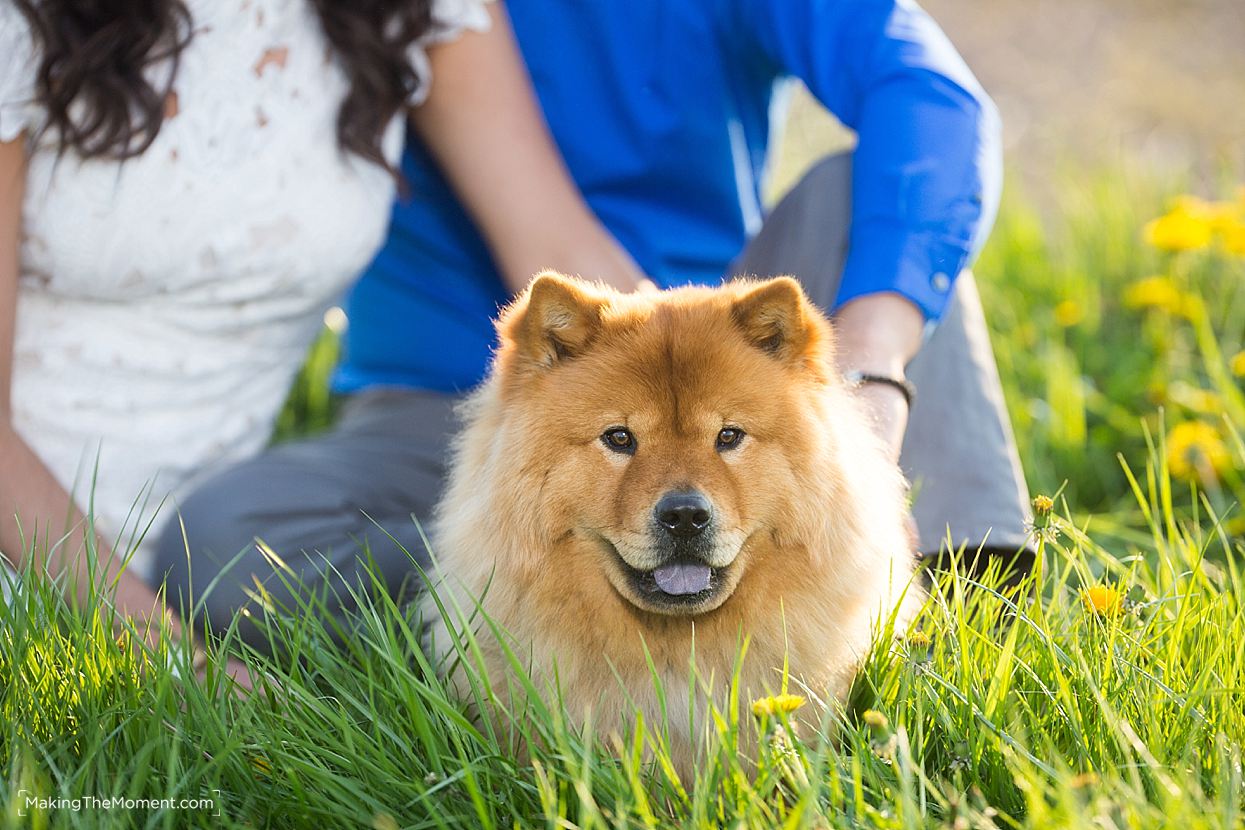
166,302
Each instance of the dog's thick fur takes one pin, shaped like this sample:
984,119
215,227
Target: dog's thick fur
543,520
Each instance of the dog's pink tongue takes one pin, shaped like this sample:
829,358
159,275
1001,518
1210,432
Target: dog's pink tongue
682,578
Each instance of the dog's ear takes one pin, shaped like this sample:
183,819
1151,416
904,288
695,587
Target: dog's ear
778,319
556,318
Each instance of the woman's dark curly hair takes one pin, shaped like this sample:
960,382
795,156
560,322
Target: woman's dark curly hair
99,98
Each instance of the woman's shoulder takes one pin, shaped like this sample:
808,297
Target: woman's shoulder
457,15
18,70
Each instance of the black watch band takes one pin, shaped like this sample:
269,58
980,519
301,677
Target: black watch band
904,386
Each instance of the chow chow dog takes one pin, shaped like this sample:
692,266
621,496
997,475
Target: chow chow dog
647,475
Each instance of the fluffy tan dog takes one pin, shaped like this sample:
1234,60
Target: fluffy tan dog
643,471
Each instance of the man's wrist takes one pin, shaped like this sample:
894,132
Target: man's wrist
884,408
878,334
896,382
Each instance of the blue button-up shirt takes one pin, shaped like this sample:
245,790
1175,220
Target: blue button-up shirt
663,110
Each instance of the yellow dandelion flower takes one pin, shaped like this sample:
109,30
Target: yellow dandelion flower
1225,216
1196,452
1068,313
1202,401
1154,292
1217,215
261,765
1183,228
875,719
919,639
1191,307
1233,237
1085,779
777,704
1190,204
384,821
1103,600
1237,364
1043,505
1194,223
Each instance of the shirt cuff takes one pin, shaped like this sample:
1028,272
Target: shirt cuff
917,265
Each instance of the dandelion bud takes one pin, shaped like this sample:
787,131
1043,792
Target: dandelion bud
875,719
777,704
918,639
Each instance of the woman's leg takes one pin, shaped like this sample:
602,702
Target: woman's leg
321,505
959,452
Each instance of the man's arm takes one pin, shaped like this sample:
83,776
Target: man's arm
877,334
927,170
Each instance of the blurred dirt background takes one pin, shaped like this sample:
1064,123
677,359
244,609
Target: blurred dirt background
1155,85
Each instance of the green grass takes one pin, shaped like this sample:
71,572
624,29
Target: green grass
1024,709
1012,708
1079,393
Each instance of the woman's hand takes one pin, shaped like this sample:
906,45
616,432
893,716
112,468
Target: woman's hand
598,256
136,603
241,673
30,492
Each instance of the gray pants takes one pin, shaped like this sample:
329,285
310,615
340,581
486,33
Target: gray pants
319,503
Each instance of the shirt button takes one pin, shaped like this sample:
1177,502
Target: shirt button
940,282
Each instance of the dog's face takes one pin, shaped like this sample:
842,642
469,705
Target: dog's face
668,431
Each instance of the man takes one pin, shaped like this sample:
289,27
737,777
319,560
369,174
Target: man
663,112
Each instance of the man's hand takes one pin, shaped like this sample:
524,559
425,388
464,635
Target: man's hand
878,334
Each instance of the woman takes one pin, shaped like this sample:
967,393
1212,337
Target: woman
185,187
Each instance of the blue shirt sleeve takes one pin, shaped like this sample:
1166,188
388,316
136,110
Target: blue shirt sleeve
927,170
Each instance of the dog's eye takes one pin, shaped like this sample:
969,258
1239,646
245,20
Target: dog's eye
729,438
619,439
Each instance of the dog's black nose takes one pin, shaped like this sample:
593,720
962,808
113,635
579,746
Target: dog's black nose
683,513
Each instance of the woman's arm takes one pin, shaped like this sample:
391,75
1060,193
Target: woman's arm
31,500
482,123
